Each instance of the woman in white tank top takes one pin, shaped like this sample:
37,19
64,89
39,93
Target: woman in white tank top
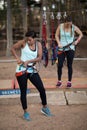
31,52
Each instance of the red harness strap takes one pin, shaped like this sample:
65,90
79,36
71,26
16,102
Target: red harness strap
60,52
20,73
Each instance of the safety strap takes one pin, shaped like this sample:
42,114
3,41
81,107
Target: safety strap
23,72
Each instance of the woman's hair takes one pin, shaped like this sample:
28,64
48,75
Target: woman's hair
30,34
68,19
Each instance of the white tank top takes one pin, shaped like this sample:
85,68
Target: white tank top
27,54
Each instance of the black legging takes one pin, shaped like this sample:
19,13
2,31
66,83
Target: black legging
61,58
37,82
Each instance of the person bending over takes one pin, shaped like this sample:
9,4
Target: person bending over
31,52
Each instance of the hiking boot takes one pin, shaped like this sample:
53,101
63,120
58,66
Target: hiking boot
26,116
59,84
69,84
46,111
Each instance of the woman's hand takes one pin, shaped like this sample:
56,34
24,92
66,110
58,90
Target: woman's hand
19,61
75,43
60,46
26,63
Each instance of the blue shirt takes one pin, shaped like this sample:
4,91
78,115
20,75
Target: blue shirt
66,38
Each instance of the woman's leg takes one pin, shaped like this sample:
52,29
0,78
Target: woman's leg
70,56
22,81
37,82
61,58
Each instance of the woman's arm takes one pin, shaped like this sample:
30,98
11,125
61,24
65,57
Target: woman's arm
78,31
17,45
57,36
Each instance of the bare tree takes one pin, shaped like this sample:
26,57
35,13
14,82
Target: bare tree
24,15
9,29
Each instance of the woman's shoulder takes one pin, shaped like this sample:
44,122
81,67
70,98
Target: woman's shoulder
74,27
61,25
22,43
38,44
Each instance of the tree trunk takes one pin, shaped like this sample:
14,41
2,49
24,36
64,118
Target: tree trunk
24,15
9,29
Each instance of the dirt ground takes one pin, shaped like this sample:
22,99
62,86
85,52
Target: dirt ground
73,117
65,118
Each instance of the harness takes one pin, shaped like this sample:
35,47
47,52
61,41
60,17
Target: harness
67,46
25,71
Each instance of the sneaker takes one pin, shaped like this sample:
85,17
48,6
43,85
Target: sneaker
46,111
69,84
26,116
59,84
